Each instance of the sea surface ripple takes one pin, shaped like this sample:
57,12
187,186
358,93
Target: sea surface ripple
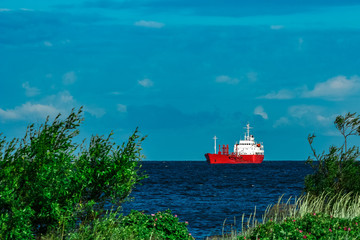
205,195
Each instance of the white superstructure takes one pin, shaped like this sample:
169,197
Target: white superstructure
248,146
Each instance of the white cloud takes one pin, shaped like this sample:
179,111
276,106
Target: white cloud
149,24
26,9
9,114
259,110
276,27
310,115
69,78
122,108
300,43
48,44
332,133
281,122
66,97
30,91
65,102
62,102
29,111
146,83
252,76
66,41
116,93
335,88
226,79
95,111
281,94
301,111
21,9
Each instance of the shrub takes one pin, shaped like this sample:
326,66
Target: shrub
338,170
47,181
106,227
339,206
311,226
136,225
163,225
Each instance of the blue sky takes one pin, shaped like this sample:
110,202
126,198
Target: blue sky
183,71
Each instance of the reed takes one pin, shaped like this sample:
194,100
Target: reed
344,206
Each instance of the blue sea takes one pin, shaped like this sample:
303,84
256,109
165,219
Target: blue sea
205,195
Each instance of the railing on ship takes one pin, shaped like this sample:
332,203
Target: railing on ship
225,150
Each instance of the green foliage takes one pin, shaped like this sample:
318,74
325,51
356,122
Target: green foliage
310,226
136,225
338,170
106,227
162,225
16,223
340,206
45,185
107,172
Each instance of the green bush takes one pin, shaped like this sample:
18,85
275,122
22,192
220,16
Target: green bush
161,225
339,169
311,226
49,182
136,225
106,227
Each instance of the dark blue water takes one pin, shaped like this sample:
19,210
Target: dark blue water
205,195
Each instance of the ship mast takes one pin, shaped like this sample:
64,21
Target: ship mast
215,143
247,137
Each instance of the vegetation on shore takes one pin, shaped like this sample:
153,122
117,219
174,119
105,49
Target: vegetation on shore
50,184
330,207
136,225
54,188
311,217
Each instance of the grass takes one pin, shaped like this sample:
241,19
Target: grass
326,216
137,225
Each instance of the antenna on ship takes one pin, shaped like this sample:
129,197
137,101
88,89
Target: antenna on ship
248,131
215,143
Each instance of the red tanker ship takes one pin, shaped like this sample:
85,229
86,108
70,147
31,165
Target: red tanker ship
246,151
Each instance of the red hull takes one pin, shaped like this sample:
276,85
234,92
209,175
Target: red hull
233,159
